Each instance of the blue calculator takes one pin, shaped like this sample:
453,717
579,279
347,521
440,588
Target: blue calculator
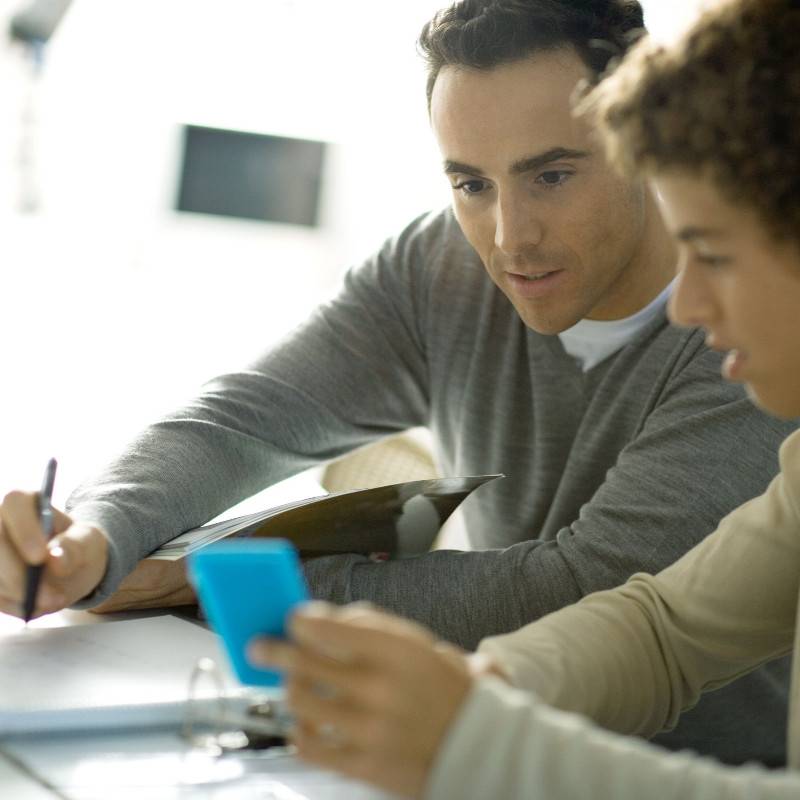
248,588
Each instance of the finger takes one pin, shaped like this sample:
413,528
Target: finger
61,521
76,562
20,515
361,612
318,742
341,679
14,587
14,607
452,652
323,744
47,603
12,571
70,550
315,704
65,552
50,595
366,615
366,716
327,643
12,603
480,664
263,652
320,691
18,507
11,606
357,635
339,756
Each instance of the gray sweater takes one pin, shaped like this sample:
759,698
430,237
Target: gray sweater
610,472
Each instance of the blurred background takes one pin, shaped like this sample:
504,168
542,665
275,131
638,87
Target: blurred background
131,271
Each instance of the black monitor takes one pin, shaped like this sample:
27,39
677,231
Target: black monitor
250,175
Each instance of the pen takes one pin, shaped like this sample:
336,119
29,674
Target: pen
46,519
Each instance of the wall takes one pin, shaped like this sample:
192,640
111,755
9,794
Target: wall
117,307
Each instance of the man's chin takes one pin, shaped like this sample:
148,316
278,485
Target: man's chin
547,322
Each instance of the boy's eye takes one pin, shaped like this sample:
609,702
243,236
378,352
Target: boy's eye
711,260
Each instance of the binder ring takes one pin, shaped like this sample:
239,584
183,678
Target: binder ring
225,722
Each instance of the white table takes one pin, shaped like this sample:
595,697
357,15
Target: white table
151,765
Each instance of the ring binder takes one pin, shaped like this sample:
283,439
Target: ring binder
220,721
118,675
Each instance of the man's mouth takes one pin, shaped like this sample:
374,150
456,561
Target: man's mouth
537,277
534,285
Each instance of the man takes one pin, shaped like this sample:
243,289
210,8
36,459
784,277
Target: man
719,137
559,369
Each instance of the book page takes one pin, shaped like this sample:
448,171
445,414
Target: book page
50,673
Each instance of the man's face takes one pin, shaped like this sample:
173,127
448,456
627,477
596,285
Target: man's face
739,284
560,233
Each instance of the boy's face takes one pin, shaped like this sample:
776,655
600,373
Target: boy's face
740,285
559,232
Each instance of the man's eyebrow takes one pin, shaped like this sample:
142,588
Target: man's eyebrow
692,232
531,163
451,167
527,164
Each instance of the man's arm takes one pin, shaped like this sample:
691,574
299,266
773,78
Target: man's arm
355,371
696,457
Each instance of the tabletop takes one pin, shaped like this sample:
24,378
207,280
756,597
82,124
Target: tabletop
152,765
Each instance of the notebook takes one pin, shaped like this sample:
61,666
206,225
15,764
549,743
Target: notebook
401,519
127,674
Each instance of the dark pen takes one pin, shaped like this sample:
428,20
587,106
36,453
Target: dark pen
46,520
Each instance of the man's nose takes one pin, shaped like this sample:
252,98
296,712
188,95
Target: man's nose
517,225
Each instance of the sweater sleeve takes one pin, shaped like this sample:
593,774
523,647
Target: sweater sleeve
538,753
634,657
355,371
671,484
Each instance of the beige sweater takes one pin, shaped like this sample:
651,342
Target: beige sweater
632,659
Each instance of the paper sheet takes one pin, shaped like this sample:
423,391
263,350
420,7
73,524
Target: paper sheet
113,674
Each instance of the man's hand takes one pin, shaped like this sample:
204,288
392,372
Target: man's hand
74,559
372,694
153,584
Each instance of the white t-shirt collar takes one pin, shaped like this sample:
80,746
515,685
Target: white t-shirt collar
592,341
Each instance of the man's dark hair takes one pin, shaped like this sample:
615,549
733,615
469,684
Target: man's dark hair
483,34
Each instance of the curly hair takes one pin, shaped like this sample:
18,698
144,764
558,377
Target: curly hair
483,34
722,102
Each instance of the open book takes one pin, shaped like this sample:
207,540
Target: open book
398,520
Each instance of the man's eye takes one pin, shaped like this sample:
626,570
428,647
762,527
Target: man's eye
471,187
554,177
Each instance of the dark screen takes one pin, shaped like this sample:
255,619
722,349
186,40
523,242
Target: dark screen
250,175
